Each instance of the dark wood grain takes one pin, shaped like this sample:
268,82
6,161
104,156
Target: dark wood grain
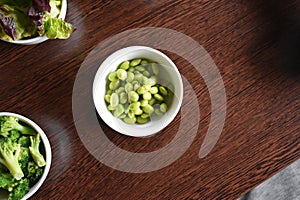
261,133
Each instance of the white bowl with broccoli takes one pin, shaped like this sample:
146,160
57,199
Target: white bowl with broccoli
33,21
25,156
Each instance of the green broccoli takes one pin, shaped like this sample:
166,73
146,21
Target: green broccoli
24,141
35,151
9,156
19,190
24,158
6,179
14,136
9,123
33,173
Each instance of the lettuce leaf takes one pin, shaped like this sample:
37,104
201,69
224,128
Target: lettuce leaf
55,28
15,23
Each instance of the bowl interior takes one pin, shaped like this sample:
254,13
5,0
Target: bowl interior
48,154
169,73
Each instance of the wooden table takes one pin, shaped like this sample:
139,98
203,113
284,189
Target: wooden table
261,132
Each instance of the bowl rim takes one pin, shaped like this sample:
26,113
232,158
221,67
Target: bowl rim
47,147
101,72
40,39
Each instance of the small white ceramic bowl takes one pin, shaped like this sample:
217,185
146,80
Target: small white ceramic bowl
46,146
40,39
171,74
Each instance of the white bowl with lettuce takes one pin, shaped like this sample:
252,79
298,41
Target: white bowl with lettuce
29,22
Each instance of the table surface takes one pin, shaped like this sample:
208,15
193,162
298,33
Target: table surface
244,38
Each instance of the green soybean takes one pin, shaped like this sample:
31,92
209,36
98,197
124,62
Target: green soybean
110,108
163,90
128,87
141,120
113,76
121,74
153,90
142,90
158,97
146,73
155,69
123,98
145,115
144,62
133,96
163,107
140,68
147,96
119,110
107,98
125,65
128,120
130,77
144,102
109,92
114,85
138,111
152,101
114,100
135,62
148,109
158,112
134,106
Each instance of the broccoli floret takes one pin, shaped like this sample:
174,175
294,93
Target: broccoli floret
33,173
6,179
24,158
35,151
19,190
9,123
14,136
24,141
9,156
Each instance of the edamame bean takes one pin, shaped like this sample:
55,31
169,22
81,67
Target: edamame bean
163,107
141,120
122,116
114,85
146,73
144,102
123,98
158,112
152,101
140,68
147,96
134,106
131,69
128,87
136,86
138,111
119,110
130,77
153,90
133,96
131,114
121,74
145,115
135,62
142,90
163,90
107,98
109,92
110,108
144,62
158,97
114,100
125,65
138,77
148,109
113,76
120,90
128,120
154,67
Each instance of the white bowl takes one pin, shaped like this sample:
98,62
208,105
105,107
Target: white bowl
40,39
47,151
110,64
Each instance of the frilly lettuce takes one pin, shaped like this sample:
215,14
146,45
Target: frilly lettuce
21,19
